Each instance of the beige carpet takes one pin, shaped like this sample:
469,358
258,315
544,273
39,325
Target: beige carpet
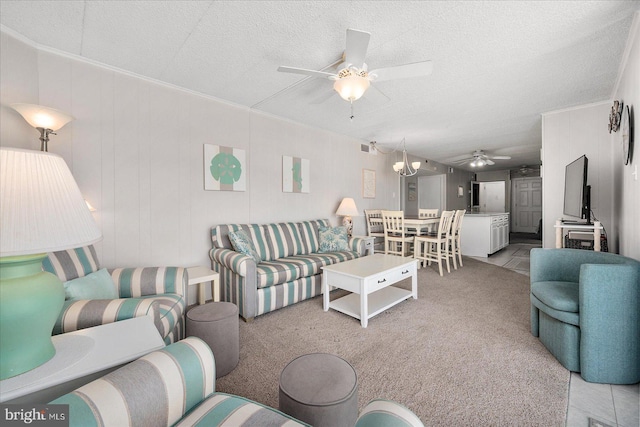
459,355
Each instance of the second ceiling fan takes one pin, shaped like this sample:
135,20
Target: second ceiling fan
479,158
353,80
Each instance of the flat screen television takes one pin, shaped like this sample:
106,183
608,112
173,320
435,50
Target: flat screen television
577,194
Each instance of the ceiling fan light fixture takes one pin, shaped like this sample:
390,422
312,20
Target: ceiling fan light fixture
352,87
480,162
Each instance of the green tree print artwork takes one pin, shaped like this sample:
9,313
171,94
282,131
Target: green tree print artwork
225,168
297,174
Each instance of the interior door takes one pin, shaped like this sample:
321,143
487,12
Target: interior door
492,196
527,204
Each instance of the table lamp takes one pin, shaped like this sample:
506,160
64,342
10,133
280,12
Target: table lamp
347,209
41,210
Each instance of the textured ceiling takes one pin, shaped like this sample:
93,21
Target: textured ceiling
497,65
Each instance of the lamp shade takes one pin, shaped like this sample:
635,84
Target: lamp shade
39,116
41,207
347,208
351,88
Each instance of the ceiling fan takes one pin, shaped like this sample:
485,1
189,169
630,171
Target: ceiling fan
479,158
353,80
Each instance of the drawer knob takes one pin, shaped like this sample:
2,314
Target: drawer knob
405,272
382,281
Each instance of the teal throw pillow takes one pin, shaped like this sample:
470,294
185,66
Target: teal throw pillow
243,244
98,285
333,239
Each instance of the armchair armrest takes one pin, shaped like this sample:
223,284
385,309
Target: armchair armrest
81,314
610,322
141,281
157,389
381,412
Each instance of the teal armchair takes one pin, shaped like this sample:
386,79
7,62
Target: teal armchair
585,308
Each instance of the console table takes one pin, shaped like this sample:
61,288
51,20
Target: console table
596,227
81,357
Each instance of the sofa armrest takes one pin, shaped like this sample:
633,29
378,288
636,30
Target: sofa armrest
141,281
155,390
238,279
380,412
357,244
81,314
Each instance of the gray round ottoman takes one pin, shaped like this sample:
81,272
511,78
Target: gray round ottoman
216,323
320,389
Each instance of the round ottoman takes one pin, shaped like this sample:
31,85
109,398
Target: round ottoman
320,389
216,323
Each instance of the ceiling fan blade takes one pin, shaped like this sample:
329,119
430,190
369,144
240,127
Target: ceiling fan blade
356,50
417,69
375,95
324,97
500,157
312,73
462,161
489,162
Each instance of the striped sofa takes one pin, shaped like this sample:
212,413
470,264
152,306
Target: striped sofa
150,291
290,269
175,386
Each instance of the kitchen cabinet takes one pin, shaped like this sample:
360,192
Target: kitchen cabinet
483,234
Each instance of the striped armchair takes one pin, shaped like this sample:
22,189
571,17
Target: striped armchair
158,292
175,386
290,267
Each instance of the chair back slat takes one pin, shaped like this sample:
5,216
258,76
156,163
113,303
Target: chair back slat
374,229
428,213
444,227
393,222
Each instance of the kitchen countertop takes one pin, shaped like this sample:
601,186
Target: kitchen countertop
486,213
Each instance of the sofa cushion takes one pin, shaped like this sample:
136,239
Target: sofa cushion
284,270
243,244
333,239
72,263
309,231
98,285
284,239
561,296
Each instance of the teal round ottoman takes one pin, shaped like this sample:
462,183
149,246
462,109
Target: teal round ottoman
320,389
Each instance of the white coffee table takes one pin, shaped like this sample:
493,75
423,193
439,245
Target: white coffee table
369,280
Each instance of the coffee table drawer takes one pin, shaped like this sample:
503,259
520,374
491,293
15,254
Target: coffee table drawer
388,277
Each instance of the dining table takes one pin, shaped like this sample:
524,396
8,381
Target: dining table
413,223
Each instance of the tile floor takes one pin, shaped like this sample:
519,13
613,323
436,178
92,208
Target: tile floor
590,404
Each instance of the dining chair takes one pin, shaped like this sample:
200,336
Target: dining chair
375,228
454,238
396,240
434,246
428,213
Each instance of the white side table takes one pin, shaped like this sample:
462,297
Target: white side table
369,242
202,275
81,357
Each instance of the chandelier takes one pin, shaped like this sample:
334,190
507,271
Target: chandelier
404,168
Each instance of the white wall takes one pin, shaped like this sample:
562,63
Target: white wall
615,192
625,185
136,151
567,135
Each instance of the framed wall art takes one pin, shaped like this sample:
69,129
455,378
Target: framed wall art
225,168
295,175
368,184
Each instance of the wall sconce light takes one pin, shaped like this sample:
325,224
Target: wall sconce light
46,120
